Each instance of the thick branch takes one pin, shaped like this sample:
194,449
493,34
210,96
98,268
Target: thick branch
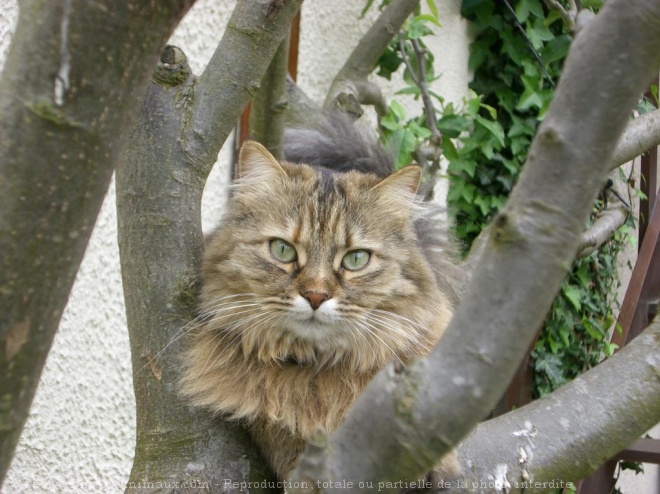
536,441
159,188
234,73
267,111
537,232
164,224
350,86
68,90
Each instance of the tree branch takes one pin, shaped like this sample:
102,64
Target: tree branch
537,232
350,86
642,134
159,187
254,32
534,442
64,104
569,20
607,222
267,111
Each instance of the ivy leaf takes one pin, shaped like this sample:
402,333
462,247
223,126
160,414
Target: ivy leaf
556,49
428,17
433,8
573,295
389,62
492,126
483,202
522,11
452,125
551,365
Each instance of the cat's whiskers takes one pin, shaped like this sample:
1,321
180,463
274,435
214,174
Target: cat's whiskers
199,321
370,329
399,335
419,326
230,330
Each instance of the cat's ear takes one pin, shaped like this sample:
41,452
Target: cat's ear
400,188
256,164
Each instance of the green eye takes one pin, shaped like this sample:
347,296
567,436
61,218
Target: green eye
355,260
282,251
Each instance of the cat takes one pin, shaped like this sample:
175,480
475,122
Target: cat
324,269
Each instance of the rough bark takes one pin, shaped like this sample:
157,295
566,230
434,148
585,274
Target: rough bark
537,232
560,437
159,186
351,86
268,107
68,90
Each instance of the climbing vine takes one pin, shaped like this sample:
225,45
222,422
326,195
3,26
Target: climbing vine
516,57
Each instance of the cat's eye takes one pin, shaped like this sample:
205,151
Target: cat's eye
282,250
355,260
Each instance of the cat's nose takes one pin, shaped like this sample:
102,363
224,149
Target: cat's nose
316,298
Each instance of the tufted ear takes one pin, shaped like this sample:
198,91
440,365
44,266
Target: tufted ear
257,165
399,189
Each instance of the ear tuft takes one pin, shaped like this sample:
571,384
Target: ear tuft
404,182
255,163
397,192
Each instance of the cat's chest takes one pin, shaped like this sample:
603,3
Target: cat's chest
303,399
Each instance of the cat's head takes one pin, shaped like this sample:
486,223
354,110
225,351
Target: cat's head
319,267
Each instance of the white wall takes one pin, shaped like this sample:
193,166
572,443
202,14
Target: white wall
79,437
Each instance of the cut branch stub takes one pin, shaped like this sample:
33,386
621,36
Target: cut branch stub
172,68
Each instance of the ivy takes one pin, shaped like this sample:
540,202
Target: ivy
516,56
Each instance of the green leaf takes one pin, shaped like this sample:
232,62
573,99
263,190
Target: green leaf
536,8
409,90
556,49
417,27
492,112
428,17
433,8
492,126
574,296
483,202
366,8
398,110
522,11
551,366
452,125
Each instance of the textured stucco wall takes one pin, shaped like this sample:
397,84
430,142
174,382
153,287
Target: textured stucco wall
79,437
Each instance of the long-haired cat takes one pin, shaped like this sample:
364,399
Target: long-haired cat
320,274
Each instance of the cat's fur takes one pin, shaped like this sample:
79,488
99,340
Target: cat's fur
262,353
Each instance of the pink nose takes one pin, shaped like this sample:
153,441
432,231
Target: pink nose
315,298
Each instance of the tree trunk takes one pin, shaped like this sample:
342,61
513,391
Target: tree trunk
69,87
182,124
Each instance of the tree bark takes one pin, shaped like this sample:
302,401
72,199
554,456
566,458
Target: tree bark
561,437
68,90
181,126
268,107
531,245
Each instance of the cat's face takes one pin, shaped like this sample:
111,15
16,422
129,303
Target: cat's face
316,265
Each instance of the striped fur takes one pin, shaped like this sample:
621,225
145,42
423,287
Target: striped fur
259,352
